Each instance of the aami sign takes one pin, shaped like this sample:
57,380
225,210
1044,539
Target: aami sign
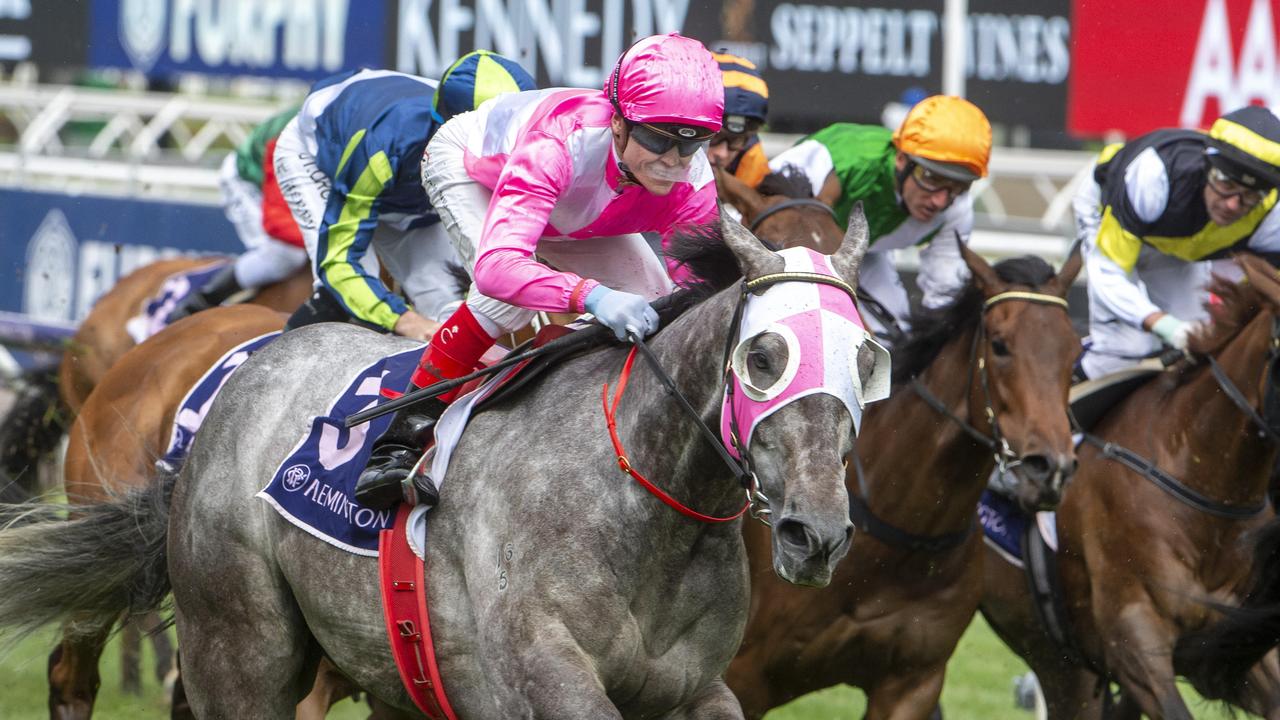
1135,70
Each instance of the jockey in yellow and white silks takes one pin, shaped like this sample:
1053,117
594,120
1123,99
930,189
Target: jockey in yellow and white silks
574,176
1155,208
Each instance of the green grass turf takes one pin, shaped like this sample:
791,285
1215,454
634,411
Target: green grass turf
979,685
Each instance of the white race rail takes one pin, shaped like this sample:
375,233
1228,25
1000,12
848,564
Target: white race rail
165,145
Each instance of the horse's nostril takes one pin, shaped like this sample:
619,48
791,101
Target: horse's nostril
793,532
1037,467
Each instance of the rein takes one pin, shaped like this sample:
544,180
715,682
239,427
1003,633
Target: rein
756,501
792,203
1180,491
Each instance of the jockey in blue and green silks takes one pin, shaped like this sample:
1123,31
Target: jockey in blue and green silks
349,165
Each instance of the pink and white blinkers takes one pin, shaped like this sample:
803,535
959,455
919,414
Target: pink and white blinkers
824,336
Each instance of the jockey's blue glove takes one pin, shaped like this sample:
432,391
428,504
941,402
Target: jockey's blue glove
622,311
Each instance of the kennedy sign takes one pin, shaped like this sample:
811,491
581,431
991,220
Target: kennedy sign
1137,70
825,60
284,38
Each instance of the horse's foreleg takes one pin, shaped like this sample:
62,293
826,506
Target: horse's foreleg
905,697
1140,654
715,702
73,675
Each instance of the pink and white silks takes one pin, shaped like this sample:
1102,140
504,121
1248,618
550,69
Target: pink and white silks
824,334
548,157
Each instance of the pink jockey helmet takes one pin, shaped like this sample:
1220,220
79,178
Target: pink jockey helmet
668,79
825,337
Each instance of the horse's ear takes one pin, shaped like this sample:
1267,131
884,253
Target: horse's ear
1262,276
984,276
1061,283
738,194
848,258
754,259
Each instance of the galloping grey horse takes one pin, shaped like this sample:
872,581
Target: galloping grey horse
612,605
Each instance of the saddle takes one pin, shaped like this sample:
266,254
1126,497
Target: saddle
1092,399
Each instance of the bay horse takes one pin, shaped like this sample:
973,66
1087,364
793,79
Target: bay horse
982,380
1168,551
122,428
48,403
613,605
120,432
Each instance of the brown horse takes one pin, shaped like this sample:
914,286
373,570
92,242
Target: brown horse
46,404
1168,558
911,582
101,339
122,428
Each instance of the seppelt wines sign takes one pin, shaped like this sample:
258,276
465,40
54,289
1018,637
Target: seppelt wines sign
1136,70
825,60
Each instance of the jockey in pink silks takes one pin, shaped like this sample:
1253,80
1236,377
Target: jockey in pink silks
574,176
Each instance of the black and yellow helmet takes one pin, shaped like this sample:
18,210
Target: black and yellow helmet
1245,144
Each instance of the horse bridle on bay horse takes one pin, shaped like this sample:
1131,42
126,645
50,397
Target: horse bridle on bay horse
1267,424
1006,459
792,203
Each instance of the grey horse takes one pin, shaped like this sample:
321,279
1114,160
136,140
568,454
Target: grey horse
558,587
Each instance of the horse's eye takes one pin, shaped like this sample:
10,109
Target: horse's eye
758,360
1000,348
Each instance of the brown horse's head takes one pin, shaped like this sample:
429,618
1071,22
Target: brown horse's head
1024,352
1002,354
808,224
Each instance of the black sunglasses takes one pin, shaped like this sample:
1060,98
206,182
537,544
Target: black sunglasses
658,141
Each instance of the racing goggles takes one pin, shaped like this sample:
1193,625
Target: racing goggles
932,182
736,142
1226,188
658,139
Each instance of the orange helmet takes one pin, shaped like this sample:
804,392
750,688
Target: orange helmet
947,135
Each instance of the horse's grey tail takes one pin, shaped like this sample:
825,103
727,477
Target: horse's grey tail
105,561
1217,657
33,426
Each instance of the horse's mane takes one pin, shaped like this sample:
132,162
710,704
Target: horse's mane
1240,303
932,328
789,182
701,249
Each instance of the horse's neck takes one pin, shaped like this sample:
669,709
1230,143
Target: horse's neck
661,440
937,470
1211,426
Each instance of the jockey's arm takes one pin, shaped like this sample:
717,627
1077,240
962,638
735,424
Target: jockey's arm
943,273
519,212
1111,239
346,232
1266,239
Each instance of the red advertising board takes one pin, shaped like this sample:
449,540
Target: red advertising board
1138,65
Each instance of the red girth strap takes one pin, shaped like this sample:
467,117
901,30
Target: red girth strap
625,464
404,606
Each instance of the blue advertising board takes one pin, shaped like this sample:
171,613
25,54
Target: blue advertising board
61,252
307,39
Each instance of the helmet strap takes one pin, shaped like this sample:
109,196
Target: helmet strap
901,181
627,175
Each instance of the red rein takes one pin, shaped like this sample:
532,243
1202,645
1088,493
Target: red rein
625,464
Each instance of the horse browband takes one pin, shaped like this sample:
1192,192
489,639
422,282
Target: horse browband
1034,297
794,276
